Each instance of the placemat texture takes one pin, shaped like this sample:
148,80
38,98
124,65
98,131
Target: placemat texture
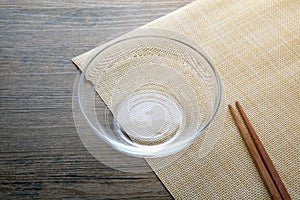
255,46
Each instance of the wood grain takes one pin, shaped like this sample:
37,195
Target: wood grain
41,155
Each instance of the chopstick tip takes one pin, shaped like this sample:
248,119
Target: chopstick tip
231,109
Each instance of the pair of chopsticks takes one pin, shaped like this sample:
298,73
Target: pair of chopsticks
259,155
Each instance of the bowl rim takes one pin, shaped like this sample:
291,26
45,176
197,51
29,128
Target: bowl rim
156,150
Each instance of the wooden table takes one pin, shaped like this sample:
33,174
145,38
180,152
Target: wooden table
41,155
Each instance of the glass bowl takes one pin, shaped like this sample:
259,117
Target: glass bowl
149,95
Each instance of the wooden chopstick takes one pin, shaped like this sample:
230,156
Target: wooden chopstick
264,155
256,157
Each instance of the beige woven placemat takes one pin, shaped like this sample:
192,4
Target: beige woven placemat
255,45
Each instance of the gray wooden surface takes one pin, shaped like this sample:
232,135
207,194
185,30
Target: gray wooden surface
41,155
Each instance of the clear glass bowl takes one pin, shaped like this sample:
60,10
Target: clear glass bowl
149,95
